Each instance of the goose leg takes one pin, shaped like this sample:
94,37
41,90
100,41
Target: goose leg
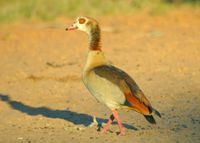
116,116
94,122
108,124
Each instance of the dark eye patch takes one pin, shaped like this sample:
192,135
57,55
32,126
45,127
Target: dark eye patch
81,20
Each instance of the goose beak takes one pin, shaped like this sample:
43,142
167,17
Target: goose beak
72,27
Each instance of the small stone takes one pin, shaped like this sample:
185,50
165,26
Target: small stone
91,137
184,126
138,65
20,138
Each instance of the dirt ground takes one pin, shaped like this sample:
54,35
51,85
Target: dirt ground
42,97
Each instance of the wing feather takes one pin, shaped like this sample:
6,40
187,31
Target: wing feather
129,87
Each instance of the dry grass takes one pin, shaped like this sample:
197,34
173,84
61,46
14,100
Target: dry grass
49,9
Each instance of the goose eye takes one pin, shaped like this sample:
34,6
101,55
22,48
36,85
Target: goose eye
81,20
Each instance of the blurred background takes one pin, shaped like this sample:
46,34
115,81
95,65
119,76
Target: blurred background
11,10
42,97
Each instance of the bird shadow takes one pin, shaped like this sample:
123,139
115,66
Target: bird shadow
73,117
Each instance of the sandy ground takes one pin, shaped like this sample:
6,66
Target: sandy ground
42,97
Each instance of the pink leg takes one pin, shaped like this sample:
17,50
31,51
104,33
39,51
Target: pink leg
108,124
116,116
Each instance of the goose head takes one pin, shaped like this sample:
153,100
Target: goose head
85,24
91,27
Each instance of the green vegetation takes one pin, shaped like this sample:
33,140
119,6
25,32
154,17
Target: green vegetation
11,10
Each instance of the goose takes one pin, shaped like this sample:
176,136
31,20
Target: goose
107,83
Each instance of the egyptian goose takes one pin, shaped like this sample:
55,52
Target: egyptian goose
107,83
